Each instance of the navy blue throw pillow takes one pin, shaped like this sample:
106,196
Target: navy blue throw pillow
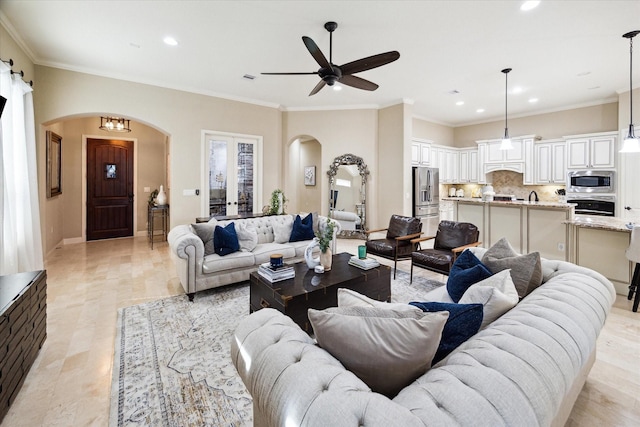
302,229
225,240
465,271
463,323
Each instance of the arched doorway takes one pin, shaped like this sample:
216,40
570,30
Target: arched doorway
305,160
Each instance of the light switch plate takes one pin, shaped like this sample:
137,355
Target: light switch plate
188,192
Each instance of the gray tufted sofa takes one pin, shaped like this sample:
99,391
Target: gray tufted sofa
524,369
198,272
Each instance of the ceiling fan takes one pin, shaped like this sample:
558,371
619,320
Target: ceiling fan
331,73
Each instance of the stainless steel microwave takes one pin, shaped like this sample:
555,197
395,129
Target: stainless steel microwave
591,181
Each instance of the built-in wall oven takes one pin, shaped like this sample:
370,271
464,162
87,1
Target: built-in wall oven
591,181
593,204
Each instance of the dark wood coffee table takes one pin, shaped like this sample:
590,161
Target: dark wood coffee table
310,290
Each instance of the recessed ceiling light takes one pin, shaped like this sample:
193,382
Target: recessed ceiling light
528,5
480,110
533,100
170,41
517,89
460,103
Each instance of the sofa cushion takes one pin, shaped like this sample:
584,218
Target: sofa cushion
497,294
314,218
300,247
262,253
387,349
247,235
302,229
282,231
526,270
216,263
349,298
463,323
205,232
225,239
465,271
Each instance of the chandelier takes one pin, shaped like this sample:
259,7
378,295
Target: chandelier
115,124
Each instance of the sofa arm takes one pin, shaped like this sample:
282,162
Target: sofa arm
294,382
187,251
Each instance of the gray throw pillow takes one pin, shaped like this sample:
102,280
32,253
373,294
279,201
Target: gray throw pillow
386,349
247,236
526,270
205,232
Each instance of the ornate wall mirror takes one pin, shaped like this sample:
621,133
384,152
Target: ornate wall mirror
347,194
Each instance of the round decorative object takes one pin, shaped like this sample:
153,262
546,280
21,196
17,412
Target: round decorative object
161,198
308,254
318,269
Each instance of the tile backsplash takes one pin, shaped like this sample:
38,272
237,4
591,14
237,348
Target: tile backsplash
506,182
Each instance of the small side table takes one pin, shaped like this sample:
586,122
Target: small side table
162,214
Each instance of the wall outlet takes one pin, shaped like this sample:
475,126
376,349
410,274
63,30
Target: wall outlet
561,247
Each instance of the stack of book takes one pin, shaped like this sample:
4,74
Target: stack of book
276,274
365,264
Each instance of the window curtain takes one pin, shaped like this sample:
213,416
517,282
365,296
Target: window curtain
20,236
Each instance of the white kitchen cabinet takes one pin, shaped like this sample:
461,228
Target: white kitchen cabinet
496,155
593,151
446,160
519,159
420,152
549,162
468,165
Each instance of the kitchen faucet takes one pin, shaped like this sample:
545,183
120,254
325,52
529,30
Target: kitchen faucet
534,194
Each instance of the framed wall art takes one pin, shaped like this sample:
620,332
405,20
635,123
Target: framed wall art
54,164
309,175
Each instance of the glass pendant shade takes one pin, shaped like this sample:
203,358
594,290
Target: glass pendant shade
631,144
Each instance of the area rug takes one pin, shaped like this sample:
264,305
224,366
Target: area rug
172,365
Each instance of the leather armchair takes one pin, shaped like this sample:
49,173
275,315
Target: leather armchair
450,240
398,242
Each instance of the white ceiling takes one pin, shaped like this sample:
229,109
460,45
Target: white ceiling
565,53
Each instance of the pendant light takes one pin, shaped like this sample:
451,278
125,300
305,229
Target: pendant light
115,124
631,143
506,141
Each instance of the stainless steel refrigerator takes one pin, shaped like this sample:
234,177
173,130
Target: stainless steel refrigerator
426,198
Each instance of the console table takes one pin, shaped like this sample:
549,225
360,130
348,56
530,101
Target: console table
160,212
23,329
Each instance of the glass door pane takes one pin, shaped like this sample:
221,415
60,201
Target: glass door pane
218,153
245,170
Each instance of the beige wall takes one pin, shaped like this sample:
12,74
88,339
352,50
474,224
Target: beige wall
9,49
439,134
181,115
598,118
309,197
623,111
338,132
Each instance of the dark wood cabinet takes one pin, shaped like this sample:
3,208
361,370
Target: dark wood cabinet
23,329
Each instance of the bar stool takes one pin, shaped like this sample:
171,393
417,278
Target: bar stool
633,255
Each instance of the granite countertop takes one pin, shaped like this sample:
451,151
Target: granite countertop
478,200
600,222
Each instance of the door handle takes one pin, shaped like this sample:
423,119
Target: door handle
131,197
229,203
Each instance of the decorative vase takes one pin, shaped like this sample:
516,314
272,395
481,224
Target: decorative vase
308,254
161,198
326,258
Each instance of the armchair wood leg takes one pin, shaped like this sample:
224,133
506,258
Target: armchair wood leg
411,275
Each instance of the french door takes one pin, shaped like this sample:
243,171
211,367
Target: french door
230,179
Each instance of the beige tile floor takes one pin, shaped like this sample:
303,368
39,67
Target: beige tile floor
69,384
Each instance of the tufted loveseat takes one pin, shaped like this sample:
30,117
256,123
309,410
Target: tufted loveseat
198,272
524,369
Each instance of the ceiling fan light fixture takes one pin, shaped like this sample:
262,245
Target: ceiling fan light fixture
506,144
631,144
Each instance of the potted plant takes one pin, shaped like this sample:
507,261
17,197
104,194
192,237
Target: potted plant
278,202
324,242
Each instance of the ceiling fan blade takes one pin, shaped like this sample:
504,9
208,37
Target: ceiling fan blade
319,86
357,82
317,54
289,74
369,62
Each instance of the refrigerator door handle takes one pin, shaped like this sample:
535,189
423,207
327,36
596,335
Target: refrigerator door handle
428,185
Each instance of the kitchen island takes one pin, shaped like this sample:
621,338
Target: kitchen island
529,226
599,243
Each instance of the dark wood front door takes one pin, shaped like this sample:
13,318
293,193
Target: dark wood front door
109,189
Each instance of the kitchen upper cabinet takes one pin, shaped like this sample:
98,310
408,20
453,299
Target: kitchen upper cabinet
446,160
519,159
496,155
595,151
421,152
468,169
549,162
